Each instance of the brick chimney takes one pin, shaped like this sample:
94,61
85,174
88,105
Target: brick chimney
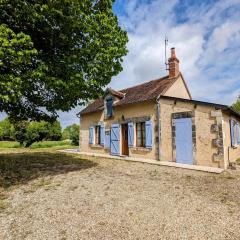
173,64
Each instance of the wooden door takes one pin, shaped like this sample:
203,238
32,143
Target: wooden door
125,150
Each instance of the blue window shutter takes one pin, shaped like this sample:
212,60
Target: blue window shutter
102,134
115,139
109,103
238,134
130,134
148,125
232,132
107,140
91,131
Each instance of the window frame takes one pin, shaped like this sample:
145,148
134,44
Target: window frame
235,132
142,134
97,135
109,104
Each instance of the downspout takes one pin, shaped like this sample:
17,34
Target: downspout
158,128
79,135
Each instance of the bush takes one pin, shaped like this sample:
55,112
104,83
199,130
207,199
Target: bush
66,133
20,131
7,131
54,131
35,132
26,132
72,132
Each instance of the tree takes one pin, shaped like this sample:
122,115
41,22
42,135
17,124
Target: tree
54,131
7,131
236,105
17,69
20,131
72,133
36,132
29,132
67,51
66,133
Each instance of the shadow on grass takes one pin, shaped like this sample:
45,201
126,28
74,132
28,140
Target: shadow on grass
19,168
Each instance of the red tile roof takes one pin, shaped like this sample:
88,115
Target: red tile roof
139,93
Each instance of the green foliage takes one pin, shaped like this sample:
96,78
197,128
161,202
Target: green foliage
38,131
72,132
18,66
7,131
57,54
27,133
35,132
66,133
20,131
54,131
236,105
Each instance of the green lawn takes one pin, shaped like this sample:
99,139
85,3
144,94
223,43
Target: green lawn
44,144
9,144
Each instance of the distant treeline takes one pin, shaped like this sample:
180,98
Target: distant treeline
26,132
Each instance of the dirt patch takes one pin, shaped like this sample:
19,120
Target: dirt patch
113,199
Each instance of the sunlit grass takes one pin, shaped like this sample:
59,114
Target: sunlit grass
9,144
44,144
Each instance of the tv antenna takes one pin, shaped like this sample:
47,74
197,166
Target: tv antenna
166,43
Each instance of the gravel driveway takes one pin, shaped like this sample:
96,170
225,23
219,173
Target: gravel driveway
113,199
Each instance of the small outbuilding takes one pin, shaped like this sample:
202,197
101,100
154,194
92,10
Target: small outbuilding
159,120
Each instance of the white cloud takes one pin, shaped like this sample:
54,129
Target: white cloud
206,41
207,44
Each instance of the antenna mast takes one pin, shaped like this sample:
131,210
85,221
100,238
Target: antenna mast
166,43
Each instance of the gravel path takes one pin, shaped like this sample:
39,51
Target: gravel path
115,199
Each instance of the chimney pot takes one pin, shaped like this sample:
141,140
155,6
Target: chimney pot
173,53
173,64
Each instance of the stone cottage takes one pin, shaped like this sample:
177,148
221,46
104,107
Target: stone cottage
159,120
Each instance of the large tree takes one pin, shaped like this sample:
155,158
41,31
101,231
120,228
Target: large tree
236,105
56,54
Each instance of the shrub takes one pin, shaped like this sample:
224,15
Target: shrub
72,132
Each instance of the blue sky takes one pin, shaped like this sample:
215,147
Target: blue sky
206,35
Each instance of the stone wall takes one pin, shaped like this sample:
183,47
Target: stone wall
231,153
122,114
205,153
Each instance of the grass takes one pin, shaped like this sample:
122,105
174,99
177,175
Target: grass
9,144
53,144
44,144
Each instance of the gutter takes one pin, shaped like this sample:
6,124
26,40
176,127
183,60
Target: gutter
158,128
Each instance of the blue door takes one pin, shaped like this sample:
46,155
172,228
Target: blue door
115,139
184,151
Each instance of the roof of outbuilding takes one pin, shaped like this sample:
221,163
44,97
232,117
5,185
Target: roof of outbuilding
139,93
197,102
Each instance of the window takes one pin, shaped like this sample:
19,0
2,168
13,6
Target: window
235,132
98,135
141,135
109,103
